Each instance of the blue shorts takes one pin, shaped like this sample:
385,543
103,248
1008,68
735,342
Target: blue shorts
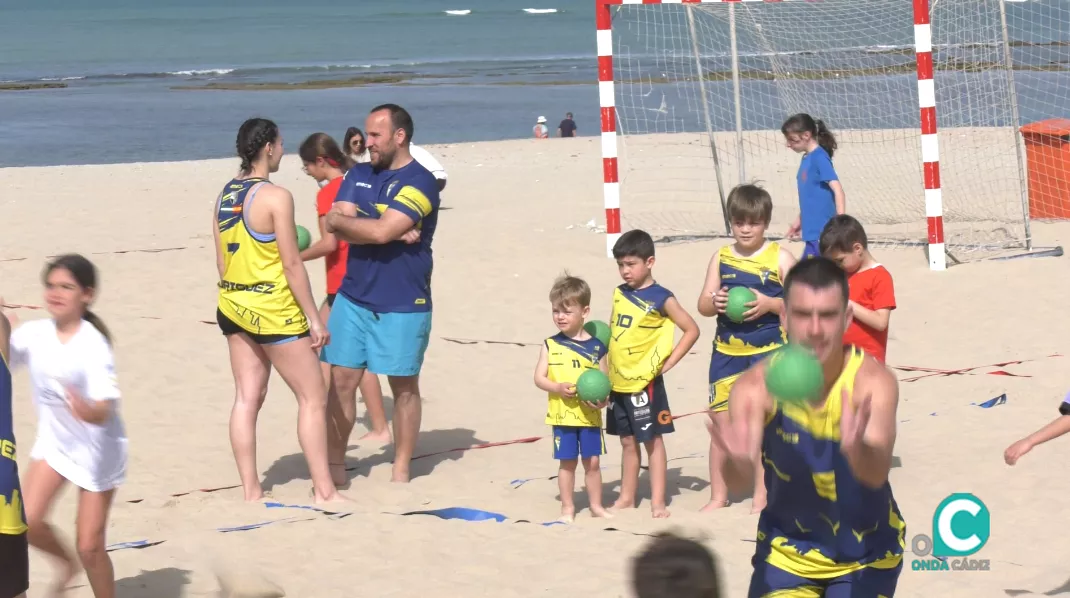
812,249
392,344
724,371
870,582
572,442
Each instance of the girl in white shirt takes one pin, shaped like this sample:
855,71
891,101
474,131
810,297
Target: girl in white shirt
80,436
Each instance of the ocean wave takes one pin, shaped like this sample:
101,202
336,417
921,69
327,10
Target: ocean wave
540,11
458,13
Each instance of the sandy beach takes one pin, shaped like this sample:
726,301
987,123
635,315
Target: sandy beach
516,218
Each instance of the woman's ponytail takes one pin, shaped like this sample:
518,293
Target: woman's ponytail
824,137
97,323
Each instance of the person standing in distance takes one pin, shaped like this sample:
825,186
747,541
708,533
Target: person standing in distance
567,128
831,526
381,322
14,547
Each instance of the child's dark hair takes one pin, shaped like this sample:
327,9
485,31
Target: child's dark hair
570,289
674,567
352,132
818,273
804,123
253,135
85,274
634,243
750,203
841,233
322,145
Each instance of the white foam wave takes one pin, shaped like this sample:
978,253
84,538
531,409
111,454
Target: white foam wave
540,11
198,72
458,13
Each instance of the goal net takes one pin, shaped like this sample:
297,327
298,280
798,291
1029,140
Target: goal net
695,117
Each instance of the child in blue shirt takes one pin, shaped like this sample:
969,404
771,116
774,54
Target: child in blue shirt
820,193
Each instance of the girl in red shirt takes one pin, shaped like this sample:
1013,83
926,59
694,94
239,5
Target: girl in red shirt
327,163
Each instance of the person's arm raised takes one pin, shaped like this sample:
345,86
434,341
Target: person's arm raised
867,424
741,436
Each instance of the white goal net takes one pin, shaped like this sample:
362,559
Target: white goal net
852,64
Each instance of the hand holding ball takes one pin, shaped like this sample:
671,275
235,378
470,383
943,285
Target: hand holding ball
794,374
592,386
738,298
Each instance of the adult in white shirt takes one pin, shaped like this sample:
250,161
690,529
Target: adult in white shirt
429,162
80,435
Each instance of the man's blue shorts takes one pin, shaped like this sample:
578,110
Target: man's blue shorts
768,581
392,344
573,442
812,249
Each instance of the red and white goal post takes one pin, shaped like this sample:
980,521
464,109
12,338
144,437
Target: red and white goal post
693,92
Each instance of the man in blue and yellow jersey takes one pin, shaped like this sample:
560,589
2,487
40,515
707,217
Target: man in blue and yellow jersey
14,548
753,263
831,527
642,325
381,322
577,424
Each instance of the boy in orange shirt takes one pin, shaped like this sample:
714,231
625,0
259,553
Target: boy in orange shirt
872,293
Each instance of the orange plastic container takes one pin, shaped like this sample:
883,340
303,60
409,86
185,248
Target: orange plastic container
1047,153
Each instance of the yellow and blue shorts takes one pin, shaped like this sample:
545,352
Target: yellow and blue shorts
573,442
724,371
769,581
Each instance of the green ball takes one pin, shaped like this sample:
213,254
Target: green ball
304,238
794,374
592,386
599,330
738,298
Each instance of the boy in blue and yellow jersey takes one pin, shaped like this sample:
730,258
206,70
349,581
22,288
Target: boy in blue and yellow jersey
577,425
14,548
642,325
831,527
759,265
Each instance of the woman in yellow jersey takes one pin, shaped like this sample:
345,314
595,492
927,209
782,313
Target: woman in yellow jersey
831,527
266,309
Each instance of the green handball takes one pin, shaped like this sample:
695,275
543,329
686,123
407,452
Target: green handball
592,386
794,374
738,298
599,330
304,238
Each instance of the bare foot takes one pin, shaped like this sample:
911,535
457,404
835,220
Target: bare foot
713,505
399,476
335,498
659,512
338,474
376,438
254,495
67,572
757,504
600,512
623,503
568,514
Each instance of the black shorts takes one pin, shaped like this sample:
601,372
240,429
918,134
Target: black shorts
330,299
15,562
229,327
644,414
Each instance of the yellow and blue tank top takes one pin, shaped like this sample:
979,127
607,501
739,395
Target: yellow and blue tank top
254,292
12,514
641,336
760,272
566,360
820,522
